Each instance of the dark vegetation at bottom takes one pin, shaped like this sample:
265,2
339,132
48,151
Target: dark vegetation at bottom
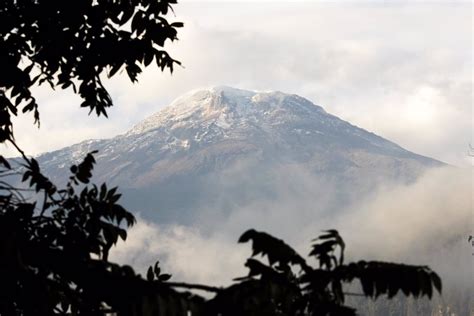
55,248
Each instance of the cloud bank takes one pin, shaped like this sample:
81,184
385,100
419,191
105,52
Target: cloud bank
425,222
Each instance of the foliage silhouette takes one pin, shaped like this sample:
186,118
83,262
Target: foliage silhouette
275,289
55,262
55,242
69,44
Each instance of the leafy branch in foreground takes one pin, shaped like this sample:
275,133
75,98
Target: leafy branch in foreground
287,285
72,44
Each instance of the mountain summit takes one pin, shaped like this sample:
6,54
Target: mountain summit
234,114
226,108
212,140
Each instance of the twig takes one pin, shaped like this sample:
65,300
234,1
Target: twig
20,151
194,286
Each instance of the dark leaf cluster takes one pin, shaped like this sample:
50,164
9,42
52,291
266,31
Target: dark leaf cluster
288,285
54,250
69,44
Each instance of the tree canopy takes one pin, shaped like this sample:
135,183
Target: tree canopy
54,242
70,44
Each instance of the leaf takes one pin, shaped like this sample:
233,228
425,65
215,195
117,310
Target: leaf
73,169
367,286
5,162
114,69
29,107
277,251
164,277
84,169
177,24
150,275
148,58
122,233
103,191
326,244
436,282
137,22
157,269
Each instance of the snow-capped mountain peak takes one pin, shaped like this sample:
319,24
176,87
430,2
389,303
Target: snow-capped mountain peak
224,105
205,132
196,143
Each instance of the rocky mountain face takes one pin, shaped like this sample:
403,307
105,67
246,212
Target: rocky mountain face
221,147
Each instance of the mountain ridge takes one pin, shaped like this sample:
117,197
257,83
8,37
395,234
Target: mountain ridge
188,145
167,113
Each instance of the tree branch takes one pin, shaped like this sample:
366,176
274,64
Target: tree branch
194,286
22,153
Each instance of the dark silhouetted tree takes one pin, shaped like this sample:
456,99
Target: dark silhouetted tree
54,242
69,44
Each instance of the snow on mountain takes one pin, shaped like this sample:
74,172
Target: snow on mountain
181,155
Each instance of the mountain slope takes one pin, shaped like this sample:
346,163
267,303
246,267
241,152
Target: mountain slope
224,146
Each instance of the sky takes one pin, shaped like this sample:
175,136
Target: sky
402,70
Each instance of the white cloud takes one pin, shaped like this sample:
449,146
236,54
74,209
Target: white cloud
186,253
412,223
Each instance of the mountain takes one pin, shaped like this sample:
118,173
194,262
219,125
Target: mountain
219,161
221,147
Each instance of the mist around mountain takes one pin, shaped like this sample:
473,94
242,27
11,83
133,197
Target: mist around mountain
219,161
